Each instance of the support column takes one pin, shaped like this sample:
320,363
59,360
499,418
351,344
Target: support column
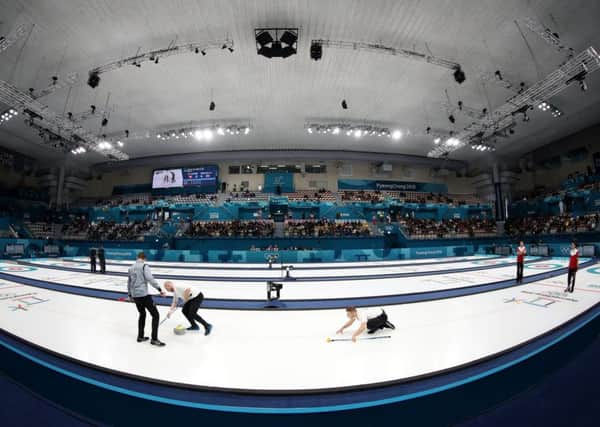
60,186
499,199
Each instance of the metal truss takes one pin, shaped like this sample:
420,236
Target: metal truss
546,34
470,112
180,132
12,38
155,55
574,70
42,115
379,48
57,83
87,114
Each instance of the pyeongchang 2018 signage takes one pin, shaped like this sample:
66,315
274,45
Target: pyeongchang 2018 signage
368,184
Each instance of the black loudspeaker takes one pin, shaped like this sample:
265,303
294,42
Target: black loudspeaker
316,51
93,80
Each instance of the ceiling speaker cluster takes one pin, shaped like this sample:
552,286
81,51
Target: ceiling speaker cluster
276,42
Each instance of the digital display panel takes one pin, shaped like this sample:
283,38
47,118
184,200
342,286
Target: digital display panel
202,176
167,178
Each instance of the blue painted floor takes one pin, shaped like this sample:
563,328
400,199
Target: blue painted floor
567,397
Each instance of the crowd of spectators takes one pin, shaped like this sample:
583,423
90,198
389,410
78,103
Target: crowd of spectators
312,196
111,230
448,228
536,225
375,196
580,179
260,228
145,199
324,227
275,248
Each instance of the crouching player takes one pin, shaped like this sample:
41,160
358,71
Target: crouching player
371,320
192,298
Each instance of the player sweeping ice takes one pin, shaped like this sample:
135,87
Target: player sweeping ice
192,298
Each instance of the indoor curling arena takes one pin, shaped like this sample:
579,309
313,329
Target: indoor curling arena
299,213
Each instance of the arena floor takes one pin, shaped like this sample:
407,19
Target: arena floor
432,336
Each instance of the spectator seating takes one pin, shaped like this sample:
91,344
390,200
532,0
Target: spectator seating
448,228
324,227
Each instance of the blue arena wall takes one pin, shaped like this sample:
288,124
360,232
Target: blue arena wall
330,249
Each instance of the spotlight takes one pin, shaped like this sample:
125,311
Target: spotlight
93,79
451,118
583,85
199,135
309,130
344,104
119,143
437,140
220,131
316,51
459,75
336,130
212,106
246,130
357,133
397,134
208,134
452,142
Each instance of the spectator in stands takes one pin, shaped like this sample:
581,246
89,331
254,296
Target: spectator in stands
324,227
448,228
543,224
235,228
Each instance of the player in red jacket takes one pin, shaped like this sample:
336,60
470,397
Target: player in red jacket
521,252
573,263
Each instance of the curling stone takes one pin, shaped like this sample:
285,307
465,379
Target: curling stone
179,330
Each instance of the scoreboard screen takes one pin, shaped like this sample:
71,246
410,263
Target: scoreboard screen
202,176
167,178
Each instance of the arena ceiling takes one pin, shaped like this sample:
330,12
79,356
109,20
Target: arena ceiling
278,97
